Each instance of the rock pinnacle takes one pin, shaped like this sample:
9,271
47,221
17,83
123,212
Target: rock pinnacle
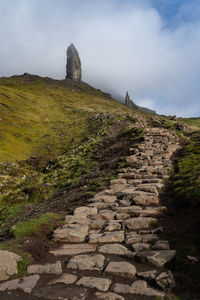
73,68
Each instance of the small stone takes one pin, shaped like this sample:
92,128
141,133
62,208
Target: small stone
149,238
73,233
161,245
55,268
8,264
118,181
64,278
107,237
115,249
104,198
133,237
73,249
85,211
147,188
113,225
157,230
108,296
26,284
140,247
123,269
106,214
156,258
97,224
148,275
139,287
193,259
150,213
87,262
101,284
165,280
128,209
122,216
138,223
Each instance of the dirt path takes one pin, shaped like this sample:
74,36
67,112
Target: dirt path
110,248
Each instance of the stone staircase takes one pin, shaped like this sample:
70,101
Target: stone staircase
110,248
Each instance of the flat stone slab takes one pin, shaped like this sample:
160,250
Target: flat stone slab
85,211
97,224
115,249
87,262
139,287
55,268
99,283
106,237
156,258
73,233
113,225
26,284
64,278
161,245
8,264
108,296
106,214
138,223
123,269
73,249
128,209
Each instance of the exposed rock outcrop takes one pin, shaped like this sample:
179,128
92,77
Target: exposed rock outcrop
73,69
131,104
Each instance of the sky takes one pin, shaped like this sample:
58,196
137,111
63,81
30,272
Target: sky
150,48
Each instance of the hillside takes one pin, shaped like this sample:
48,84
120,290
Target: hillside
63,142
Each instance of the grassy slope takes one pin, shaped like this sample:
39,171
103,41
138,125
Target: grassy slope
38,113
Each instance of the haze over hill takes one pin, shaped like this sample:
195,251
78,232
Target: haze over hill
150,48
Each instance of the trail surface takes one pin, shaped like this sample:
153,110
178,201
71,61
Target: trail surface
111,248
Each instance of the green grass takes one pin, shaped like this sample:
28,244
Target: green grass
187,176
33,226
23,264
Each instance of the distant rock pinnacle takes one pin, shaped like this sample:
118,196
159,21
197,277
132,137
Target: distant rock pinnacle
128,102
74,71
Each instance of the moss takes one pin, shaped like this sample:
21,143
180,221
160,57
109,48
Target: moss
33,226
22,265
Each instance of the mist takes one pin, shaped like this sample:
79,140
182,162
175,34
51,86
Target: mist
123,45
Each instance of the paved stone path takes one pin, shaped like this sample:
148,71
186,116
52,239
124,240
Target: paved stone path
110,249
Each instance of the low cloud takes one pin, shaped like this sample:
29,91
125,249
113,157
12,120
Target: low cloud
124,45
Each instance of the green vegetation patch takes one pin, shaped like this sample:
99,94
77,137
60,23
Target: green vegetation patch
33,226
187,177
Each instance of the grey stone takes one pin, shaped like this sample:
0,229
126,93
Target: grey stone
8,264
140,246
139,287
133,237
156,258
97,224
26,284
55,268
101,284
73,233
73,249
138,223
148,275
113,225
106,237
57,293
115,249
87,262
64,278
77,220
165,280
161,245
123,269
85,211
108,296
73,69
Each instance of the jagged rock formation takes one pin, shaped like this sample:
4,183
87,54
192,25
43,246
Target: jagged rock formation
131,104
73,68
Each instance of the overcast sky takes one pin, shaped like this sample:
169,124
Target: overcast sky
149,47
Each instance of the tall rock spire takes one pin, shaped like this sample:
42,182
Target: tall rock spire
73,67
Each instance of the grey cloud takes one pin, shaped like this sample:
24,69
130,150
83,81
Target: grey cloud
123,46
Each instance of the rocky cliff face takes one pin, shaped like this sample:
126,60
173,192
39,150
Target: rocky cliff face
131,104
74,71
